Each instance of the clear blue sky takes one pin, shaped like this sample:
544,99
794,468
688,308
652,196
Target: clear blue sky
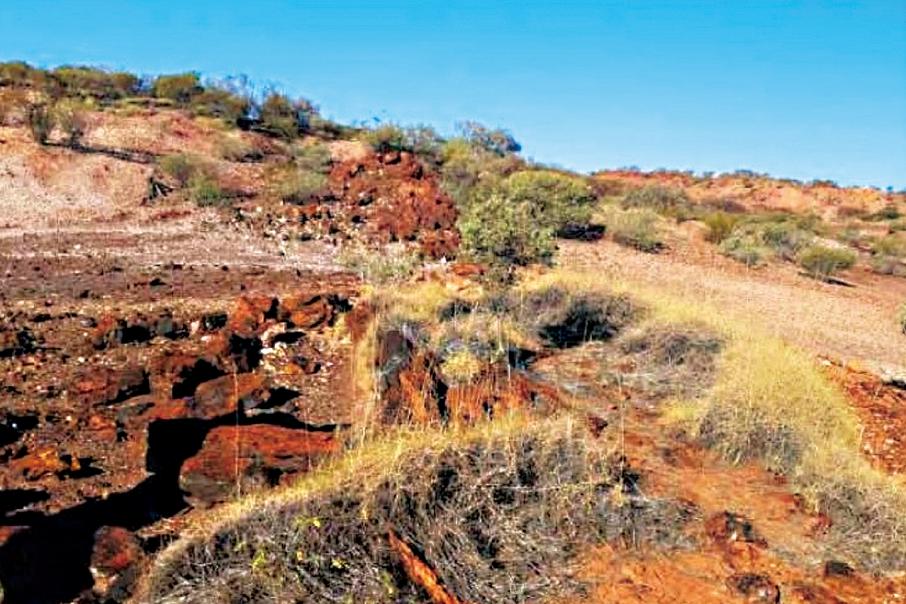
804,89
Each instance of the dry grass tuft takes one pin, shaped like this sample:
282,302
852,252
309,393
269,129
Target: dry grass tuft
770,402
497,512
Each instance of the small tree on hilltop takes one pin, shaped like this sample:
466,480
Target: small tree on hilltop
495,140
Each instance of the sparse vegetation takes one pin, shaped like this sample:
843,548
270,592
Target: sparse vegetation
554,199
663,200
387,138
40,122
901,318
205,192
183,167
284,117
824,262
72,118
637,228
504,234
496,512
720,225
889,255
495,140
301,186
395,263
179,88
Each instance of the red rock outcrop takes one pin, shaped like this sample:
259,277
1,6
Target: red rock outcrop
247,456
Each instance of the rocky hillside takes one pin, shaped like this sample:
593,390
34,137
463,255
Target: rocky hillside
248,354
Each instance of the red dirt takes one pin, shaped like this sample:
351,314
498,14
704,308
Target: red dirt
882,410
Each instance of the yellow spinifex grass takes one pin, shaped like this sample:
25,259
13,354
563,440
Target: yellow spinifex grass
771,402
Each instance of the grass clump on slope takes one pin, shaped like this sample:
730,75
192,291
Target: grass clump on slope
497,512
771,403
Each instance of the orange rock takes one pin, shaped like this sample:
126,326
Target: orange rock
420,573
225,394
250,456
40,463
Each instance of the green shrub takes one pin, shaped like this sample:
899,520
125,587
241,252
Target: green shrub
494,140
72,118
786,238
178,87
889,255
235,148
40,122
468,171
663,200
387,138
636,227
720,224
82,81
746,246
214,101
284,117
18,73
183,167
313,157
823,262
205,192
301,186
504,234
554,199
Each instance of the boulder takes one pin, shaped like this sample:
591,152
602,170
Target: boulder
250,456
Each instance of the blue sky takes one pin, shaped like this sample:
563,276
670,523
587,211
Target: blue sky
805,89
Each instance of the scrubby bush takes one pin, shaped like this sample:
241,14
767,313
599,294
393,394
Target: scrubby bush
91,82
182,167
720,225
468,171
235,148
40,122
504,234
663,200
18,73
395,263
387,138
284,117
786,238
178,87
746,246
214,101
301,186
901,317
205,192
888,212
823,262
637,228
495,140
313,157
13,106
71,116
554,199
889,255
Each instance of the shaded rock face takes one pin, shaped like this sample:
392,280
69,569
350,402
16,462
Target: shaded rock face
413,389
165,417
235,459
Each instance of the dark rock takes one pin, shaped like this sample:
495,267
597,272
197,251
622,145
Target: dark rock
757,589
